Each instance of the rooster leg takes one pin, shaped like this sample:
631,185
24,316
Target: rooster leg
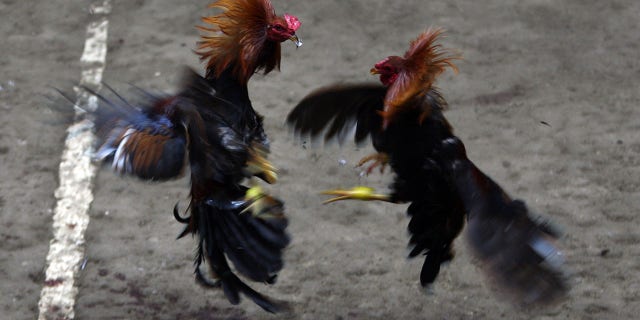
259,166
379,159
356,193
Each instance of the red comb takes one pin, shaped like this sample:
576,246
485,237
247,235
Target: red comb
292,21
381,63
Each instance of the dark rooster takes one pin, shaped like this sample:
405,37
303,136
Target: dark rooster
404,117
212,123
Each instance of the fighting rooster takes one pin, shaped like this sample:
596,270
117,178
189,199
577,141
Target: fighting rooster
211,122
404,117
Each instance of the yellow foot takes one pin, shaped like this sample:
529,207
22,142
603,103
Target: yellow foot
355,193
379,159
262,205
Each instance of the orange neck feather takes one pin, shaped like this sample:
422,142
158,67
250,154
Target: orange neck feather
422,63
237,38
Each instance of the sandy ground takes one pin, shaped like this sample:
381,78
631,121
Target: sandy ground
574,65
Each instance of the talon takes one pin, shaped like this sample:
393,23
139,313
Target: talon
261,205
379,159
253,193
253,196
258,165
356,193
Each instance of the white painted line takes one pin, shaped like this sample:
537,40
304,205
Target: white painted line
74,194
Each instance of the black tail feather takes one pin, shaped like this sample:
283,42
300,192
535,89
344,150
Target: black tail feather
430,267
518,251
271,231
249,256
253,244
233,284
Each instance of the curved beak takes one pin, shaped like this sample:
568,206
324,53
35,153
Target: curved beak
296,40
374,71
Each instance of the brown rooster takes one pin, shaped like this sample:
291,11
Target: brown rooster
212,123
404,117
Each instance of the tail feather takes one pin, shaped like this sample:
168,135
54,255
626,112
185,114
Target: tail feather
518,251
231,289
253,245
232,284
211,251
249,255
520,255
272,231
430,267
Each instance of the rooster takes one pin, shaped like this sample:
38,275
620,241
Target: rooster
211,126
404,117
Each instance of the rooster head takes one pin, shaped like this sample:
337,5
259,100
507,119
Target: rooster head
245,38
283,29
412,76
388,69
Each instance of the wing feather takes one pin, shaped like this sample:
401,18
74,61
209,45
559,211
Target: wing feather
140,140
334,111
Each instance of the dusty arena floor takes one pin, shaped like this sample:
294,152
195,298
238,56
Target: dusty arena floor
547,101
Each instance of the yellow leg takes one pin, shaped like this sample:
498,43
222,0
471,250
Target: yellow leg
356,193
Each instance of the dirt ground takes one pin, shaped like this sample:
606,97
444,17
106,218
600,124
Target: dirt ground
546,101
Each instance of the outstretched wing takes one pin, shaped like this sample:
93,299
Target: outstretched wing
334,111
140,140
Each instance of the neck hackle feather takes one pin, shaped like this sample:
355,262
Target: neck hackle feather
237,38
422,63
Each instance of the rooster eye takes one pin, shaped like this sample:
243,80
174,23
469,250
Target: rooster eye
278,27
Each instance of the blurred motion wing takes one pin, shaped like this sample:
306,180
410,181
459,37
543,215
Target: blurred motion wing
141,141
334,111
